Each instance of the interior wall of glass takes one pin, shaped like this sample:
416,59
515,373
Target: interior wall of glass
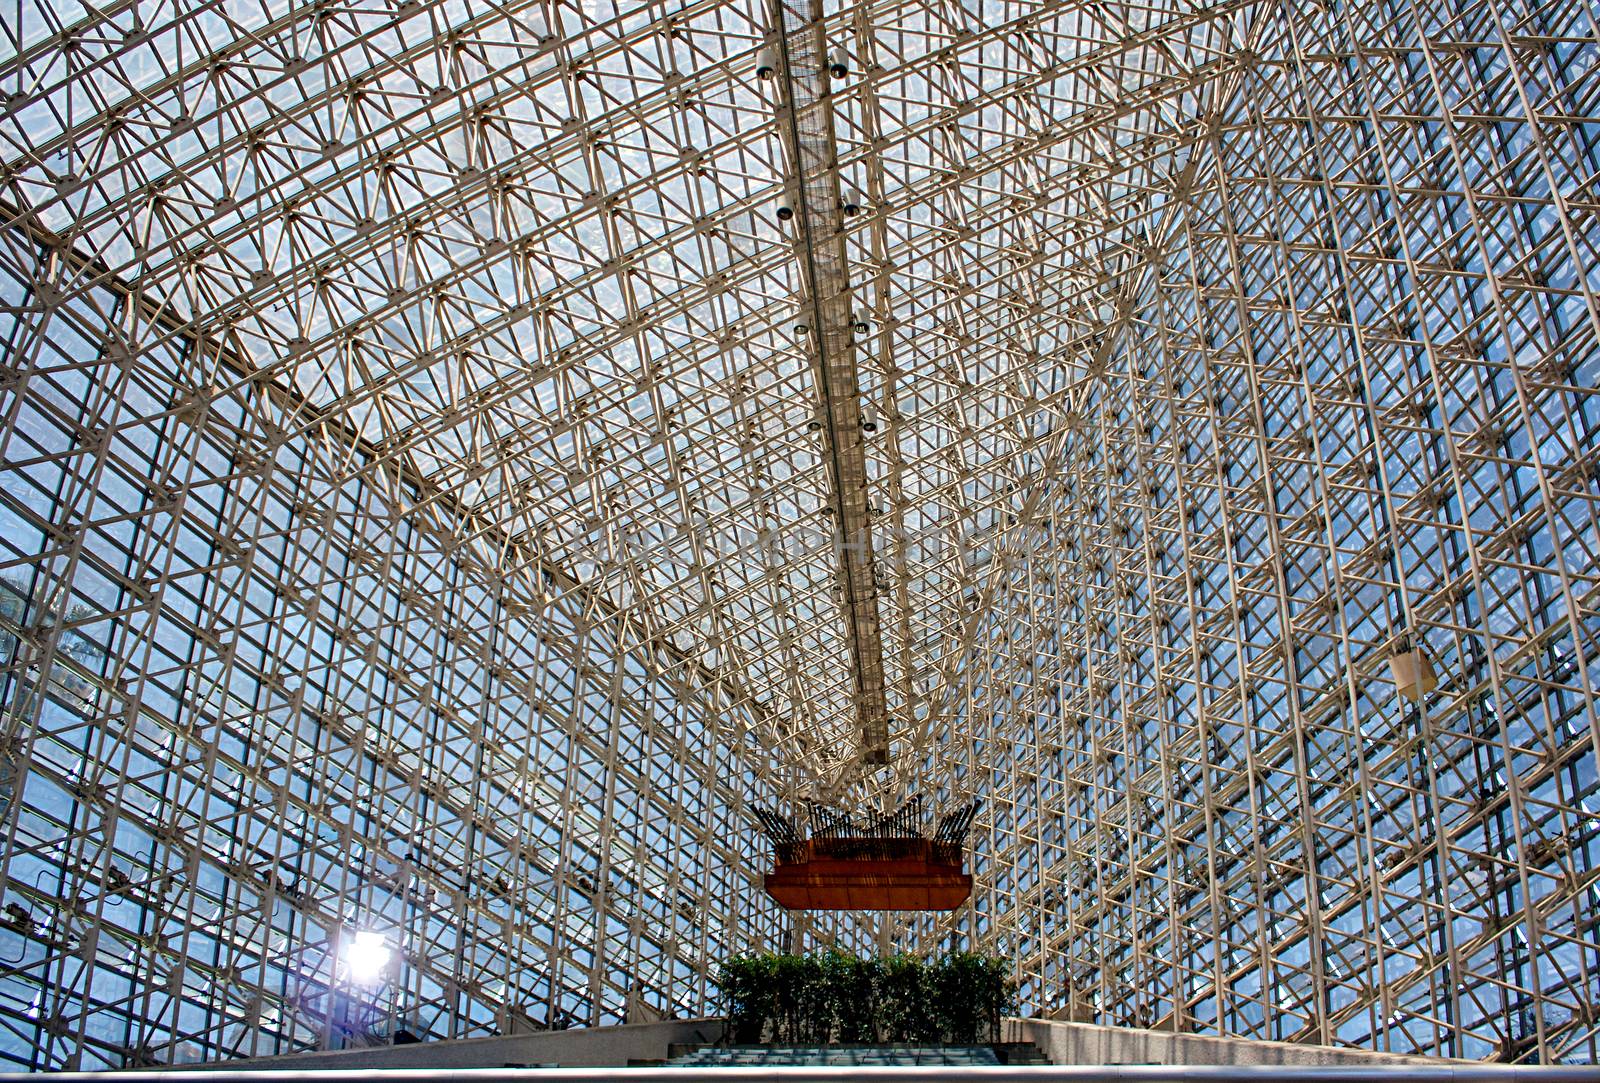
1351,412
262,697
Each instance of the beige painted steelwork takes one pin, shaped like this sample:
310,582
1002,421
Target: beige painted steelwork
412,519
830,324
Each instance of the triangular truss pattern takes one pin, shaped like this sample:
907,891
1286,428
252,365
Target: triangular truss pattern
412,515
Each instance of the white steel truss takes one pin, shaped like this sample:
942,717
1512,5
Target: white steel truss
421,515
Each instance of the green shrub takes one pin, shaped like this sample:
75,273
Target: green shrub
998,996
748,984
835,997
852,983
803,1013
904,999
968,995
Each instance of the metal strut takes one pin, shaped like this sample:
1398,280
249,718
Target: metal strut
806,123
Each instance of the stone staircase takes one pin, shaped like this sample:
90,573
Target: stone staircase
1019,1053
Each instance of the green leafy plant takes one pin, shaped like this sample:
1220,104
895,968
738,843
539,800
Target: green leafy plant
852,984
836,997
749,991
967,994
800,1000
999,995
903,999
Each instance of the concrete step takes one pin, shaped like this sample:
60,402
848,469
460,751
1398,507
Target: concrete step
1019,1053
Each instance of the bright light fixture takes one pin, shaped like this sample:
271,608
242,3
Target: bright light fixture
366,955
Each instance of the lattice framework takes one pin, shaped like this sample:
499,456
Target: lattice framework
414,517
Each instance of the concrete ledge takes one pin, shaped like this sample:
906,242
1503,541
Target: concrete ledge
1064,1043
589,1047
894,1073
1089,1044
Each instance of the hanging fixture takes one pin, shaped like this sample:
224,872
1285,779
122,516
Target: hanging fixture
1412,671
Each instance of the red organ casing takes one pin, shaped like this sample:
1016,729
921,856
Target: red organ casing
869,874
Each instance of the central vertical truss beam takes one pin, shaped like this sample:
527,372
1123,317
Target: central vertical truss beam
806,125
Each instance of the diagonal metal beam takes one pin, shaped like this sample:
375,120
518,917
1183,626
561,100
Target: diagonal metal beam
495,534
806,125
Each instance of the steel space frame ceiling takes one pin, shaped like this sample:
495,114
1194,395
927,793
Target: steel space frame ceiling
439,493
